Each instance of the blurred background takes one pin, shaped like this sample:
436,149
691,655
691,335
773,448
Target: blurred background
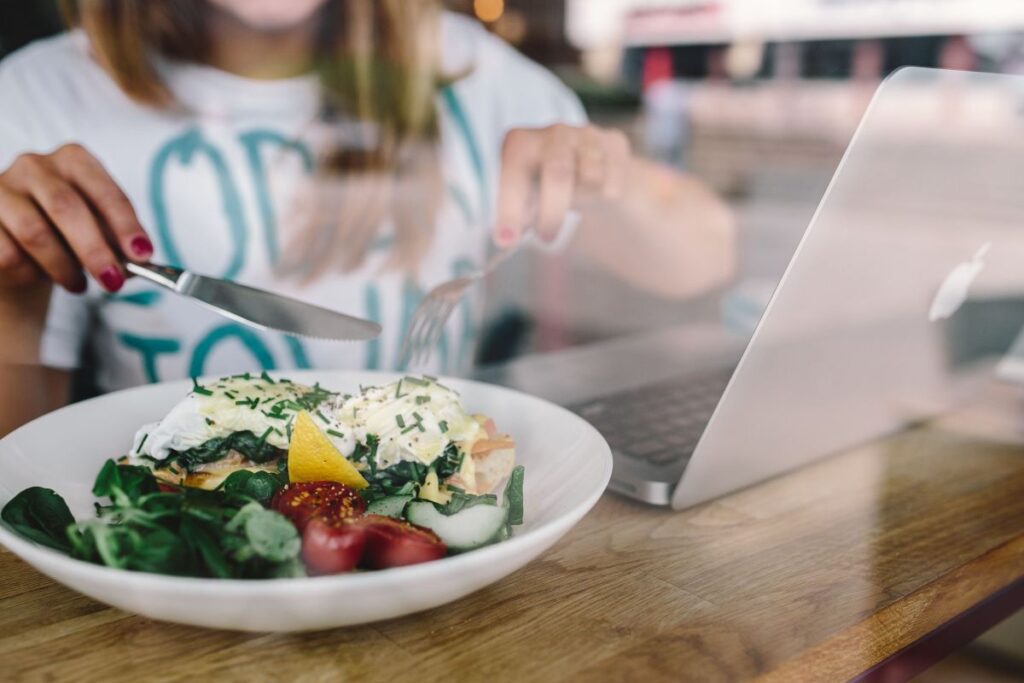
758,98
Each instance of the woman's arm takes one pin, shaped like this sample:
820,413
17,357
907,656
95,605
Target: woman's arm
27,390
654,227
61,216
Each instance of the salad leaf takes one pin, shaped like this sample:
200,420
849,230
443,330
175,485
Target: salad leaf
132,480
191,532
269,534
514,495
40,515
461,500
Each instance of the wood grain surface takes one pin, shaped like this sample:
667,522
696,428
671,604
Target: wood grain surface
817,575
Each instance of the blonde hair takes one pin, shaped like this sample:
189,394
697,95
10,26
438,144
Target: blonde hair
378,66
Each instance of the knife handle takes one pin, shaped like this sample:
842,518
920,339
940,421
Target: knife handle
166,276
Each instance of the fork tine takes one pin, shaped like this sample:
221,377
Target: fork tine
422,351
422,317
410,344
440,321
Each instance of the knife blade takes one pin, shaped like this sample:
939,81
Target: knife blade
258,308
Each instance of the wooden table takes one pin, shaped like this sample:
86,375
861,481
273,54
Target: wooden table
890,555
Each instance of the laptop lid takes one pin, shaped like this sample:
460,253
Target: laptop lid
908,282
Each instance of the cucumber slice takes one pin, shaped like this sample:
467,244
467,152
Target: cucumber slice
467,529
389,506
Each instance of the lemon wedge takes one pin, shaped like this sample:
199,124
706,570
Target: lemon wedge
312,457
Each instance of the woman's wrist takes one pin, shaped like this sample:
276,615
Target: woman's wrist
22,320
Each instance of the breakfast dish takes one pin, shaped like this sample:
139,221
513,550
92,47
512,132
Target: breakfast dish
252,476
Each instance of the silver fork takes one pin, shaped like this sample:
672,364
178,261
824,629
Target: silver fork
431,316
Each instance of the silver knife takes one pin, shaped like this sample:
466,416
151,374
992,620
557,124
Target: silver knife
257,308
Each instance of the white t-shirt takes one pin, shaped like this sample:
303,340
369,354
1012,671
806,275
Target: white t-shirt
203,186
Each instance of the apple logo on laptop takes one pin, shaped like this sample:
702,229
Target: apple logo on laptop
953,290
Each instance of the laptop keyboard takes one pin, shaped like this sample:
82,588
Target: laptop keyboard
660,423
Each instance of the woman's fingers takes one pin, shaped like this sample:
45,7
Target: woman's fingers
28,232
618,153
547,172
67,221
86,173
16,268
557,180
593,158
520,157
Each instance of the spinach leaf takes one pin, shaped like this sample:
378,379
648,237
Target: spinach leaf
40,515
449,463
403,477
514,495
248,444
260,486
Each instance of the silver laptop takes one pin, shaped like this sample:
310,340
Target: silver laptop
904,293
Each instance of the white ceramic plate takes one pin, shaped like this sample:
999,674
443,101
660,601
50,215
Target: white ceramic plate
568,465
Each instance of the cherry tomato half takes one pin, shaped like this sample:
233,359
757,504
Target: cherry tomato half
395,543
332,546
302,501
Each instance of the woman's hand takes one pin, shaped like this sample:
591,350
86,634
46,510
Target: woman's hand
62,214
548,172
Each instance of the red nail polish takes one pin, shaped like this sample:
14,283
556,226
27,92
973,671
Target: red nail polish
112,279
142,247
506,236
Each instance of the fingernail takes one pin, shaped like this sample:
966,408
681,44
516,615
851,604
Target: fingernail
112,279
506,236
142,247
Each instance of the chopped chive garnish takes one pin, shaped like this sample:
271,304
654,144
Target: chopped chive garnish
416,380
400,420
410,428
419,418
142,443
266,378
230,395
288,428
431,378
209,421
277,431
336,433
420,400
398,389
244,375
443,426
199,388
266,434
321,416
446,388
